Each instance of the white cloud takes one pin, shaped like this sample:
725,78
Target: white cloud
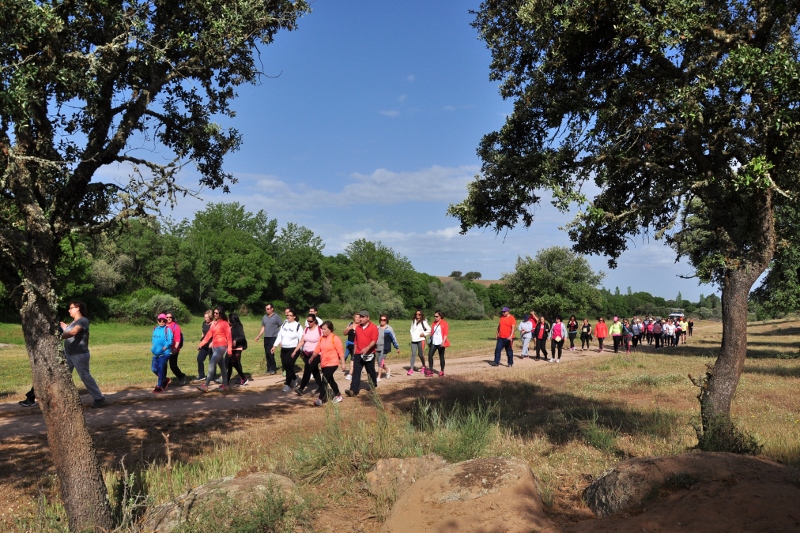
390,113
402,98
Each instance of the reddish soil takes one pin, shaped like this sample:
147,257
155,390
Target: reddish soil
132,426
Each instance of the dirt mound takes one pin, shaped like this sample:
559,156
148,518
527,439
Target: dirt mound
481,495
695,492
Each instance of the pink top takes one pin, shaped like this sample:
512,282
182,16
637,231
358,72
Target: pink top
311,337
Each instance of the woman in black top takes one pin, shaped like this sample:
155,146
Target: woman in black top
239,344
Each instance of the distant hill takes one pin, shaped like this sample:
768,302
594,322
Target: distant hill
484,282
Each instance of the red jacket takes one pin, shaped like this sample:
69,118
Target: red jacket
445,332
220,335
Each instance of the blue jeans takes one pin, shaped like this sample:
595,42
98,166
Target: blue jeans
159,368
501,343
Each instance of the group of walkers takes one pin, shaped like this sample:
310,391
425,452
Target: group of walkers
367,346
625,334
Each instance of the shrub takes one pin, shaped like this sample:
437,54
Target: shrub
374,296
144,305
456,301
722,435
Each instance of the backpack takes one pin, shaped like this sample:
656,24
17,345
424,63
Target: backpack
181,341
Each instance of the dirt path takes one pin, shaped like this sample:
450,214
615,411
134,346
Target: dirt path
132,408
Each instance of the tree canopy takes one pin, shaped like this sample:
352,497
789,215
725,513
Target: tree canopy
643,114
85,85
557,282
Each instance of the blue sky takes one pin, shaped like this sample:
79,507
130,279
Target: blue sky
367,127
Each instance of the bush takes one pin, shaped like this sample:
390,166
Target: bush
144,305
375,297
722,435
456,301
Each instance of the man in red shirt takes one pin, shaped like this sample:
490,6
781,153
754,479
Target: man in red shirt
505,337
364,353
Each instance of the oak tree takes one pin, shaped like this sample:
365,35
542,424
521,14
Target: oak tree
137,84
638,112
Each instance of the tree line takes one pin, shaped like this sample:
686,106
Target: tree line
229,256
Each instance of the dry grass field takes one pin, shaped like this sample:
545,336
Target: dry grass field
569,421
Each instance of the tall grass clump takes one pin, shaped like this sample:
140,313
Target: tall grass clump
458,433
48,517
721,435
271,512
349,449
598,435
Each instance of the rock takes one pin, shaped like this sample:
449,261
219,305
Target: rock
632,483
391,477
482,495
168,516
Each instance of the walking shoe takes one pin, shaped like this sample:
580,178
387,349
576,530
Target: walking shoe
272,372
558,360
200,378
377,380
337,399
27,403
441,374
295,382
350,393
99,403
223,388
409,373
287,388
201,388
494,364
158,390
218,380
388,375
167,381
300,391
244,382
552,360
428,373
348,377
318,402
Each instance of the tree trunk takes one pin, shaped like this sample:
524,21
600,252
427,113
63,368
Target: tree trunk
716,398
83,490
728,367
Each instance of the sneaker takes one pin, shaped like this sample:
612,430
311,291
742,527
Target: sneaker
350,393
348,377
223,388
388,375
337,399
378,380
99,403
27,403
441,374
287,388
552,360
200,378
218,380
409,373
244,382
158,390
300,391
494,364
428,373
167,381
272,372
295,382
558,360
201,388
318,402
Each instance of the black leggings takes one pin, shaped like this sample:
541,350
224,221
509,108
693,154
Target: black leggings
433,348
310,369
556,346
173,363
617,341
235,361
202,354
287,360
585,340
327,373
541,345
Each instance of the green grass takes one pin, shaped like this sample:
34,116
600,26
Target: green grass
121,352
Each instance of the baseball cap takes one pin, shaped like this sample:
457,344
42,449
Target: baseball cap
506,309
162,316
364,313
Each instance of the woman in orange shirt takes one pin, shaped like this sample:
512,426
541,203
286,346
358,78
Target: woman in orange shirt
601,331
330,351
221,344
